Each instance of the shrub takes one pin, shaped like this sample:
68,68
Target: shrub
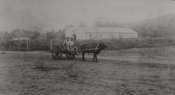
39,44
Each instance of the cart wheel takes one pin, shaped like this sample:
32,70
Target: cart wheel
70,55
67,56
56,53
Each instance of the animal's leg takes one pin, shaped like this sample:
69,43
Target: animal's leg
83,53
94,57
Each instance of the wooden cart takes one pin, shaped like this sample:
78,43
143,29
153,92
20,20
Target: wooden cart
58,51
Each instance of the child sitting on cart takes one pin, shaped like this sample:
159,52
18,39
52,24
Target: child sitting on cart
69,43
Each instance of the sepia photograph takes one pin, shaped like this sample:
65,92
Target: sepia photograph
87,47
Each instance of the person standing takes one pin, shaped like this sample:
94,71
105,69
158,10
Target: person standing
66,43
72,46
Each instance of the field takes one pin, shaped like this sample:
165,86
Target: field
146,71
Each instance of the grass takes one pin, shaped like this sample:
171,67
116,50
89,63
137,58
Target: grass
27,73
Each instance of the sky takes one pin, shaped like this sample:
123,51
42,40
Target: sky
43,15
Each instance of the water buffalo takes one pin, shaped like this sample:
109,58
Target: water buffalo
92,47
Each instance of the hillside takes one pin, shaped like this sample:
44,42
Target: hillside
163,26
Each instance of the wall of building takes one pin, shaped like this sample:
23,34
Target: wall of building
95,34
99,36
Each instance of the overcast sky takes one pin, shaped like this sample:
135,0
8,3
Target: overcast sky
55,14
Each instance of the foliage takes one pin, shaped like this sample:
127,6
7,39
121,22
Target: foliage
119,44
51,35
108,24
39,44
40,41
4,39
138,43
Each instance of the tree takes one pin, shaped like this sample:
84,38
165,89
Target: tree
31,34
35,34
5,39
51,35
17,33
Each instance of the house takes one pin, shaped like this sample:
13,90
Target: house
20,43
80,33
99,33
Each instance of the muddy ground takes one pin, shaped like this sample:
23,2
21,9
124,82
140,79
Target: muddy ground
36,73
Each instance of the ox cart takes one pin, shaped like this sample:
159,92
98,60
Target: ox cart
59,50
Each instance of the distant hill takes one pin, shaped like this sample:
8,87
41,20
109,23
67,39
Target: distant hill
163,26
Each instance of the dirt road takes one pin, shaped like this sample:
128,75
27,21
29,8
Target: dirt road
36,73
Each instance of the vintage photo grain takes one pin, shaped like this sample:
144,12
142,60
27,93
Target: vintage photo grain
87,47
